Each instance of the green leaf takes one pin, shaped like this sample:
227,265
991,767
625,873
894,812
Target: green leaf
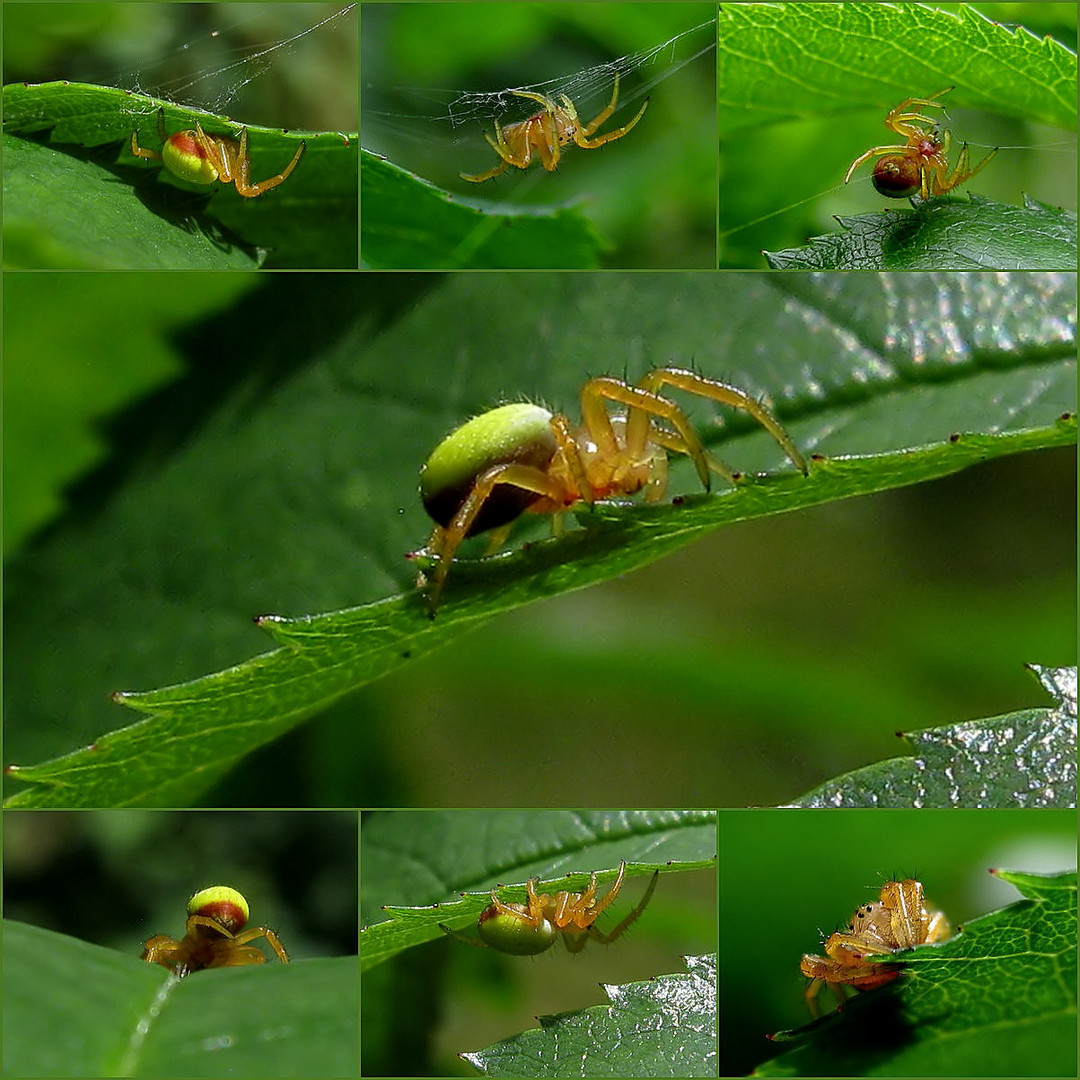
426,857
1010,69
1022,759
75,1009
807,85
663,1027
75,196
290,483
67,396
197,730
998,999
408,222
943,234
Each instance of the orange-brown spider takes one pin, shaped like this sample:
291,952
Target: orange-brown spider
520,457
548,131
920,164
897,920
201,159
531,928
214,936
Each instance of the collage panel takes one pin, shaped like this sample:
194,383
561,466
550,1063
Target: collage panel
863,136
180,136
538,136
770,662
978,906
114,920
598,925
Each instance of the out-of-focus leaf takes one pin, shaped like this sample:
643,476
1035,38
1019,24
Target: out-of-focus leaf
75,1009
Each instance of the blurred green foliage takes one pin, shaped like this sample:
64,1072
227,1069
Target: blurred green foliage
215,56
87,356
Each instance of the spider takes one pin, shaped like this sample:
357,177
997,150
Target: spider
531,928
897,920
201,159
920,164
214,936
520,457
548,131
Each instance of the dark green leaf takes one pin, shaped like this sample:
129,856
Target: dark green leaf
663,1027
998,999
74,1009
943,234
408,222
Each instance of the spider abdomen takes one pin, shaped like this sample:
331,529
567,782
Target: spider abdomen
510,434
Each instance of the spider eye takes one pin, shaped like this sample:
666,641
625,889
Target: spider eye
184,157
897,176
514,933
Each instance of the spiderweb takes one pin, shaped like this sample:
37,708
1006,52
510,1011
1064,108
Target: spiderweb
481,105
212,70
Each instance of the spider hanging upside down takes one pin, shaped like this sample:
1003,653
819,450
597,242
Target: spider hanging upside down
897,920
214,936
531,928
520,457
201,159
548,131
919,165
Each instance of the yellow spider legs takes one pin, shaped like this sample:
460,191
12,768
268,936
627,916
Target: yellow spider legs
556,125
